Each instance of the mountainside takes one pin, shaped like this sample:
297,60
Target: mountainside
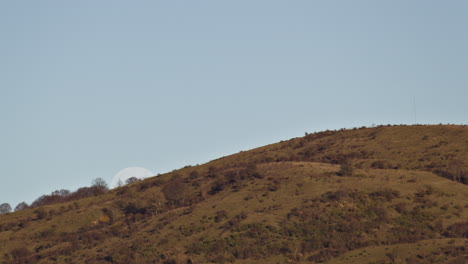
388,194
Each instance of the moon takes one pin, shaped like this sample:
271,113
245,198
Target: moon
129,172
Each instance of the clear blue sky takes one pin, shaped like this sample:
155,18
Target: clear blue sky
90,87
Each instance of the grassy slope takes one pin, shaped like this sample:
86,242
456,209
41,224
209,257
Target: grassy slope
400,147
271,219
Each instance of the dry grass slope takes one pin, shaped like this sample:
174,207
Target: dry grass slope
282,203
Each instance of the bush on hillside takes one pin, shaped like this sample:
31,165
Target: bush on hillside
175,191
131,180
457,230
346,168
21,255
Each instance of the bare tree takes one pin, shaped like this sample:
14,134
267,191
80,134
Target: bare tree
99,186
99,182
61,192
131,180
5,208
119,183
21,206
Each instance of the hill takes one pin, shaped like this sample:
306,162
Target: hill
389,194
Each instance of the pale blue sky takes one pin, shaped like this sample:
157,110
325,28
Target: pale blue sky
90,87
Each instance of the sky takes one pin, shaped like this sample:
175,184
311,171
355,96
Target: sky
88,88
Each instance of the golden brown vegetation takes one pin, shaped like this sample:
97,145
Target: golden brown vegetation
352,196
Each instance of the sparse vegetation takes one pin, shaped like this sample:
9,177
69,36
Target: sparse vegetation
21,206
351,196
131,180
346,168
5,208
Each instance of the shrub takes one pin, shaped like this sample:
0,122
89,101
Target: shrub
40,213
401,208
220,215
457,230
132,209
380,164
346,168
109,214
194,174
335,196
21,255
131,180
385,194
251,171
175,191
217,187
212,172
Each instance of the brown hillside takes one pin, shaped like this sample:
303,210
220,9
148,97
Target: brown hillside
439,148
351,196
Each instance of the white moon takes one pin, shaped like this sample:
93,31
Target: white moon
126,173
